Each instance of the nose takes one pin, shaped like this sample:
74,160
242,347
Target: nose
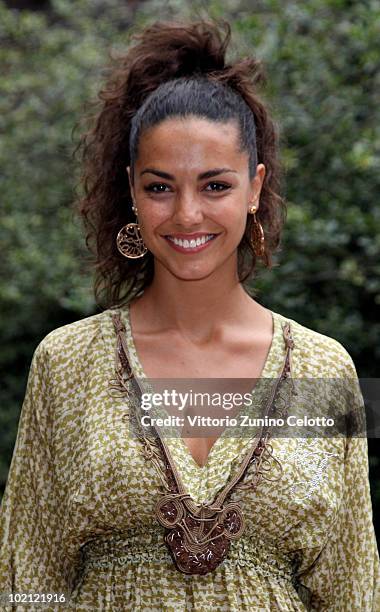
187,210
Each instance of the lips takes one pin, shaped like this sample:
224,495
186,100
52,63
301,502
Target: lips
190,242
188,236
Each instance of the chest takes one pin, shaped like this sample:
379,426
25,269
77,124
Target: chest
242,359
239,356
173,358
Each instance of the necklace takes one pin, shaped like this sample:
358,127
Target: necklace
198,537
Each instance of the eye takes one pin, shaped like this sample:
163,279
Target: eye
161,187
152,188
220,186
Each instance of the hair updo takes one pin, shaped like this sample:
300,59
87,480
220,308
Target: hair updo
199,96
173,69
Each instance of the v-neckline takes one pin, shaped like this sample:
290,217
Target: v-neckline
138,371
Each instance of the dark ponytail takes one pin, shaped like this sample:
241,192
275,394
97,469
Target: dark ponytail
172,69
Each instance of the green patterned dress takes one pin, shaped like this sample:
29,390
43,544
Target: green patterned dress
78,517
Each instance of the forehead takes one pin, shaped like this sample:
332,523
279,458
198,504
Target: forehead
190,141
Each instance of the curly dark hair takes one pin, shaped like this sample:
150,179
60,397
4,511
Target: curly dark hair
173,68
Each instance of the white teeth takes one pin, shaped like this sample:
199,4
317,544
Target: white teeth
191,244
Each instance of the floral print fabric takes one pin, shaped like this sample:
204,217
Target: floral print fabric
77,515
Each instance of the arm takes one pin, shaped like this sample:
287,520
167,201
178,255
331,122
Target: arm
346,574
31,551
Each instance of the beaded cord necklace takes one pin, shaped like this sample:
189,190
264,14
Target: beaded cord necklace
198,537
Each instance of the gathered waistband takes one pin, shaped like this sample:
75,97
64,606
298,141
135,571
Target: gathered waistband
120,549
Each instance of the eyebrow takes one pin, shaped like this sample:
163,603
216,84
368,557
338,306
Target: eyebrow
203,175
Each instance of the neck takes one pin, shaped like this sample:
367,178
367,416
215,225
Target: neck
197,309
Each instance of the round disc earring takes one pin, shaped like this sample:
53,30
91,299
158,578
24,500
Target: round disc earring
129,241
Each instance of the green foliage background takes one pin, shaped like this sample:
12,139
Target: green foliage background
322,59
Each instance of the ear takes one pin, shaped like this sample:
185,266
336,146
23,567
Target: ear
128,168
256,186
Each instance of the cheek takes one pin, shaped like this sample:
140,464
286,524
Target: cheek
234,219
151,219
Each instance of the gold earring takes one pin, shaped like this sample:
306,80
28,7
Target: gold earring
257,238
129,241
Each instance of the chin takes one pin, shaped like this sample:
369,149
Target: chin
190,275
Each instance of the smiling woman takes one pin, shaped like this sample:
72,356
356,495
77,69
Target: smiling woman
181,201
210,207
175,95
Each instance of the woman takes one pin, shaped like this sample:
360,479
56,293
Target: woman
181,201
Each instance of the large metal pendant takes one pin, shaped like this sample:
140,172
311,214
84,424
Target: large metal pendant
198,537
